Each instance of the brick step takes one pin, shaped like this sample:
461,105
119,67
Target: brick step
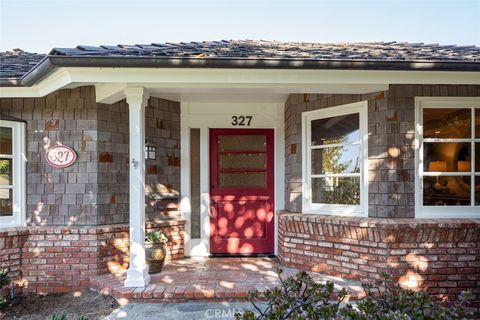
211,279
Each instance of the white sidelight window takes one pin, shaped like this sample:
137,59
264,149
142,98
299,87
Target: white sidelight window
448,157
335,159
12,173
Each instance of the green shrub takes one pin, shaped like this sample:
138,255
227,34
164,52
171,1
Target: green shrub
4,281
300,297
156,237
4,278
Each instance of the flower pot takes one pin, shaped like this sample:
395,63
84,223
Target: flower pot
155,257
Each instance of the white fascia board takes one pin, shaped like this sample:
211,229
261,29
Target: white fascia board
269,77
280,79
57,80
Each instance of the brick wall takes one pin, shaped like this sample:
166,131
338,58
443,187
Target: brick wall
391,143
10,257
58,259
442,256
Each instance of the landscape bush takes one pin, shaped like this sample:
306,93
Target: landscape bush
301,298
4,281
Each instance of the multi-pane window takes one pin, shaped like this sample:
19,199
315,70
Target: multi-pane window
11,173
334,154
449,158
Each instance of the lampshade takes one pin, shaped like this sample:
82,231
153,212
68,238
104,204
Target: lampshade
463,166
438,166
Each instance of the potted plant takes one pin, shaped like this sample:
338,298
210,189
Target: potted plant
155,250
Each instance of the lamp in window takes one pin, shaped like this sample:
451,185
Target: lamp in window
463,166
438,166
150,151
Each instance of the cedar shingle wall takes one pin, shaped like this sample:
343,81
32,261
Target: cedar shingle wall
60,196
390,126
94,190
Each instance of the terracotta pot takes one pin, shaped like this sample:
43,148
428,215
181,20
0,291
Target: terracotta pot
155,257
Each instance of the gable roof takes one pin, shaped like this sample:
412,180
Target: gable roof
20,68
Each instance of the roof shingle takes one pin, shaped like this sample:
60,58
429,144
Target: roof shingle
17,63
390,51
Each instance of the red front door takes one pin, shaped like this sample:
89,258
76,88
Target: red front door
241,191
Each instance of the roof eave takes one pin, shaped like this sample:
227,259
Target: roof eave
50,63
10,82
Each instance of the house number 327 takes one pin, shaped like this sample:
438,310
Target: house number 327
241,121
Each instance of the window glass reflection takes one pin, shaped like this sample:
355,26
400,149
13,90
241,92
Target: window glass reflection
477,123
341,159
447,123
477,191
446,191
336,190
6,202
447,156
6,172
5,140
341,129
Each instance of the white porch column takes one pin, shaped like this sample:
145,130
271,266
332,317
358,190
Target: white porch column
137,274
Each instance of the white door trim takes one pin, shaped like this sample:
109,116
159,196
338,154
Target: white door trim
204,116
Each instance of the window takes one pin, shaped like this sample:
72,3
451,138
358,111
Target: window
334,160
12,173
448,157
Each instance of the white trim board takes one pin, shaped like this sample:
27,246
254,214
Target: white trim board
218,115
283,80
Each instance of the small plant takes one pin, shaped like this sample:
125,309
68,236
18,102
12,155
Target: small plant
300,297
4,278
156,237
4,281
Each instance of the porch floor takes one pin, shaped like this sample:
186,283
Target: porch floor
209,279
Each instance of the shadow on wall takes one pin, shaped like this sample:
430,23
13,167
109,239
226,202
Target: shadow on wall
114,252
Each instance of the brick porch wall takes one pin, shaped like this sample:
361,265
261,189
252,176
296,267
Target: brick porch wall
442,256
59,259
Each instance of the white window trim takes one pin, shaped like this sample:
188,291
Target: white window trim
332,209
439,211
19,160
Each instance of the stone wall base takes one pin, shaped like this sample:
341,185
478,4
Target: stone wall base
62,259
439,255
